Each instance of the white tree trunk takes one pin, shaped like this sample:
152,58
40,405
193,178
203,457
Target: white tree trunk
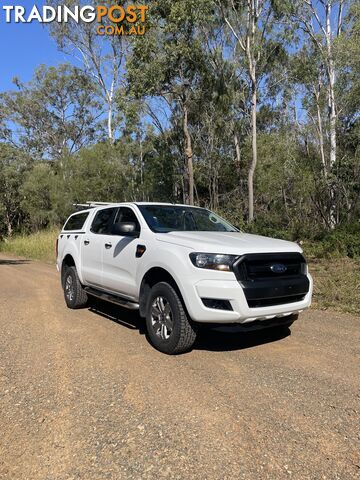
9,227
110,99
109,122
332,113
320,129
254,151
189,184
331,87
238,154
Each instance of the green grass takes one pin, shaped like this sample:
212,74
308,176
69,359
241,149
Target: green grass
38,246
336,280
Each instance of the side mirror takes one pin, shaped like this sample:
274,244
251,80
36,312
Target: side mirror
125,229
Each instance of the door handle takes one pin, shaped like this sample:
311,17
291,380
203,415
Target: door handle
86,242
108,245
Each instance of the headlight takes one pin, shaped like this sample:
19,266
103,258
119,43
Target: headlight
213,261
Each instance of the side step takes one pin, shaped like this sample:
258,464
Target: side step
108,297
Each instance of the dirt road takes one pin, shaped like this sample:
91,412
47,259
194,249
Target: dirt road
84,396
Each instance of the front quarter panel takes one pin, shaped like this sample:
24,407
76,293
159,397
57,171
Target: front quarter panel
176,261
173,260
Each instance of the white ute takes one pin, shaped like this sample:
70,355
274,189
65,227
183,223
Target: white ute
180,266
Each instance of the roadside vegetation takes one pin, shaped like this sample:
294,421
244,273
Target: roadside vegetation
37,246
336,284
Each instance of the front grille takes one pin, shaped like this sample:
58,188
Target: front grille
272,278
258,266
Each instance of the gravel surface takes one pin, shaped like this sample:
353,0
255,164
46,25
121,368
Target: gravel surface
84,396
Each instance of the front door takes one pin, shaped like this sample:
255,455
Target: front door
119,258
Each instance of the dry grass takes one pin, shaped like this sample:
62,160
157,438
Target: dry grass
38,246
336,280
336,284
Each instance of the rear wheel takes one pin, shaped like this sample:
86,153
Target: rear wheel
169,328
75,295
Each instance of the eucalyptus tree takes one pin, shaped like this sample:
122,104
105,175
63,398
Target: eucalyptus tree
102,57
219,127
168,67
13,165
322,24
347,54
56,112
258,41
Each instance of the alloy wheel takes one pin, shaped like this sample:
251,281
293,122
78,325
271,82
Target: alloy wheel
162,318
69,288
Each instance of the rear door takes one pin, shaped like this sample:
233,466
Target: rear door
119,258
93,246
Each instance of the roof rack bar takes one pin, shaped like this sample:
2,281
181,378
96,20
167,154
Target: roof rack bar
82,206
101,203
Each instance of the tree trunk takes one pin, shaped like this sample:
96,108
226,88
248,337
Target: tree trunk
254,148
238,154
9,228
332,113
331,88
109,121
141,169
189,167
250,51
320,130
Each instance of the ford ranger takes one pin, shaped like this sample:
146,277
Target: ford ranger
180,266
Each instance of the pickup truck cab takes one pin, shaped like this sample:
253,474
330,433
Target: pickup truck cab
180,266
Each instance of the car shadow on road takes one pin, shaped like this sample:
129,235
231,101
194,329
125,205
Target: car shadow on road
229,338
13,262
217,339
124,317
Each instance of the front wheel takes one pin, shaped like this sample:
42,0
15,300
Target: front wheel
169,328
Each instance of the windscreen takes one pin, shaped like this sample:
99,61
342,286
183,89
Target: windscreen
169,218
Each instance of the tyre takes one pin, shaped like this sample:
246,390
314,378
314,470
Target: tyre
75,295
168,325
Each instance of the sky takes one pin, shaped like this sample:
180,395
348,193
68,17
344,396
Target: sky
23,47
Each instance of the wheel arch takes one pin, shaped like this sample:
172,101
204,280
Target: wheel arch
68,261
153,276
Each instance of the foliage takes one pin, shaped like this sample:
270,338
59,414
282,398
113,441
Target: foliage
183,103
13,167
36,196
336,284
102,57
344,242
54,113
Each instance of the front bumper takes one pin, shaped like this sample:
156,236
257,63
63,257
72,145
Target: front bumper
232,291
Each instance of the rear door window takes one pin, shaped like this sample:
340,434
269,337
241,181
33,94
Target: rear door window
76,221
